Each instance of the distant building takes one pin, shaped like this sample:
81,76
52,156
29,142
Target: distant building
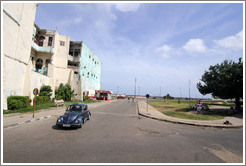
33,57
87,65
90,71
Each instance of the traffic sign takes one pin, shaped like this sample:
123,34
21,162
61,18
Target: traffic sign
147,96
35,91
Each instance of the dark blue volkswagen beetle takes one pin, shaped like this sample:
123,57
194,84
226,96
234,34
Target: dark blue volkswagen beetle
75,115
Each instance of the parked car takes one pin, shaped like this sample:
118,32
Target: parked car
120,97
75,116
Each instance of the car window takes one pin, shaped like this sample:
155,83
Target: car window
74,108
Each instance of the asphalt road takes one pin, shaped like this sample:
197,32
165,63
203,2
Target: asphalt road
116,134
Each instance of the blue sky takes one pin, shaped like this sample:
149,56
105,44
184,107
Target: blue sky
162,45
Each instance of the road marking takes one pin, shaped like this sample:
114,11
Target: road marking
225,154
27,121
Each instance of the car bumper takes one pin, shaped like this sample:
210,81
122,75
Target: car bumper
68,125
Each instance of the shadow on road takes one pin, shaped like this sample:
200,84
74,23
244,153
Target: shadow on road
54,127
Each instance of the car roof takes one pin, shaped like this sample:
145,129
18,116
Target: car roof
80,104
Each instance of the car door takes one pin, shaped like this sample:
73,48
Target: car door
84,113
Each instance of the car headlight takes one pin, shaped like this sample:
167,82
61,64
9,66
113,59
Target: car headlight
59,120
76,121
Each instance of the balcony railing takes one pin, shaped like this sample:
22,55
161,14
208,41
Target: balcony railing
42,49
43,71
73,58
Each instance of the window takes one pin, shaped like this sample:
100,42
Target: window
39,64
50,41
62,43
71,52
41,41
77,52
90,56
47,61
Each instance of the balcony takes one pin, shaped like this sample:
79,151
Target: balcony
43,71
73,58
75,68
42,49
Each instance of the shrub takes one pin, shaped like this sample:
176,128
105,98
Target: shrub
85,98
22,101
42,100
15,104
45,90
64,92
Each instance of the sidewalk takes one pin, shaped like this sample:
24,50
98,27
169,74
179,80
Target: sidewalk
21,118
154,114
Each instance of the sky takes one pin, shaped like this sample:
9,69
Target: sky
167,47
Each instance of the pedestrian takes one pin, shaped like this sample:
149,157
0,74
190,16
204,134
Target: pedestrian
199,108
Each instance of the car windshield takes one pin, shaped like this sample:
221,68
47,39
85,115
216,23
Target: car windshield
74,108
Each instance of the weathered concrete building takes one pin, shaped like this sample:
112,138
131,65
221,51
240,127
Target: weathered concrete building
90,71
18,21
33,57
87,65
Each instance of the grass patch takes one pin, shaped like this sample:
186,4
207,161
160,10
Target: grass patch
43,106
30,108
171,104
180,110
183,115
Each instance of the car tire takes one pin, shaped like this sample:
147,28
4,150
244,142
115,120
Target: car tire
88,118
80,126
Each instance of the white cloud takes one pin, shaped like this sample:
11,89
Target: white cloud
195,46
127,7
164,51
68,21
234,42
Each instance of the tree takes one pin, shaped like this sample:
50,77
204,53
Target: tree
224,80
168,96
64,92
45,90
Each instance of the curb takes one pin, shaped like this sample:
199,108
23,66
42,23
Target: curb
27,121
187,123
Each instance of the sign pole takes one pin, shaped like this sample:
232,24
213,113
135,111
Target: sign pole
147,104
35,92
147,96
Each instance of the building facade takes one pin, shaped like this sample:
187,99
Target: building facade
18,21
33,57
90,71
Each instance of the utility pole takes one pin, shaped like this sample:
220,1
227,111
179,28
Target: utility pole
139,90
135,89
180,92
117,90
160,91
189,92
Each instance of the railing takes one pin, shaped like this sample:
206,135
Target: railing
74,68
42,49
43,71
73,58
